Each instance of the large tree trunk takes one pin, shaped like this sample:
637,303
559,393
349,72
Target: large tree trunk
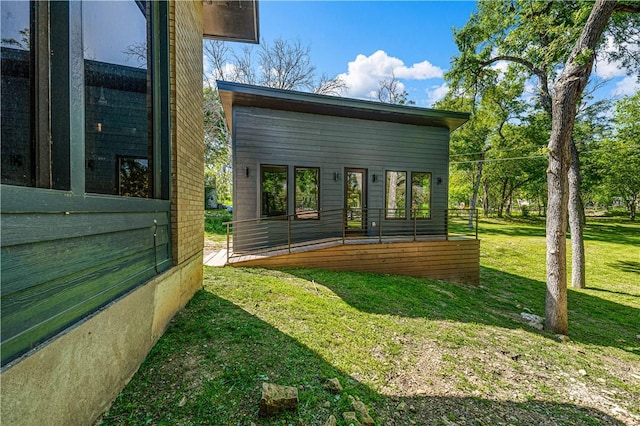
576,221
567,89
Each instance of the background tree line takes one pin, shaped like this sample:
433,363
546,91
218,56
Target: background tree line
551,145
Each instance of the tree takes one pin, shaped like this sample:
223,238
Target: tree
489,116
391,91
618,157
548,41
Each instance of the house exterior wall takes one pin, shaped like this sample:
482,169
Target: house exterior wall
276,137
72,377
188,129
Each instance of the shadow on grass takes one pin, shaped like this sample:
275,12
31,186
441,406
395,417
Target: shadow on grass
208,367
499,302
627,266
619,232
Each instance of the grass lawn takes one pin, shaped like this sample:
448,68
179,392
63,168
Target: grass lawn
414,351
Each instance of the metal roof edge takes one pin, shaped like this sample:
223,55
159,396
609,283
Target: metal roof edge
232,93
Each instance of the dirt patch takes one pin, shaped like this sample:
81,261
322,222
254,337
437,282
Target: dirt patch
211,246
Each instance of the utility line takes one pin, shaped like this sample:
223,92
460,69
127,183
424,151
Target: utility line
491,150
491,160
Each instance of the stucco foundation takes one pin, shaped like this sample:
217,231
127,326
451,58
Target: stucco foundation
72,379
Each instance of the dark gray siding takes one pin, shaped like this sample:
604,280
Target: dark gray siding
265,136
66,256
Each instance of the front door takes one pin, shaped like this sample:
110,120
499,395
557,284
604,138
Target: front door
355,200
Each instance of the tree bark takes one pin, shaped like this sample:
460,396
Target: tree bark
567,89
576,221
476,189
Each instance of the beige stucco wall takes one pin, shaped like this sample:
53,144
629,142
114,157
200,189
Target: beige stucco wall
74,377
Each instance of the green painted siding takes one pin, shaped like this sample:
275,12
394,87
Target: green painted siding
58,266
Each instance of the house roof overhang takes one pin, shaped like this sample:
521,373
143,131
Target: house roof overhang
232,94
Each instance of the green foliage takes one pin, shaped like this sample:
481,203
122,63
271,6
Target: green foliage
214,222
617,158
217,139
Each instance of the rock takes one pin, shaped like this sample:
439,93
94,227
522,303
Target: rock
582,372
533,320
362,409
350,417
333,385
638,336
563,338
331,421
183,402
402,407
276,398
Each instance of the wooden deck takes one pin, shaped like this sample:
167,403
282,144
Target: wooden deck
455,260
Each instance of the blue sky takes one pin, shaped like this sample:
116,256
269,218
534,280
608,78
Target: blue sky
367,41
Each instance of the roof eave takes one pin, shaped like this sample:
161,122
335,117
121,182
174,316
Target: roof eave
264,97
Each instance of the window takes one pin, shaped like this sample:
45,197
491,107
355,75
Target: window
307,197
420,195
123,93
396,195
117,98
18,155
273,184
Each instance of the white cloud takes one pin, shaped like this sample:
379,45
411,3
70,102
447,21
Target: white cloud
627,86
435,93
365,72
606,69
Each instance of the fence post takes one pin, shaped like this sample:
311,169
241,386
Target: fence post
344,224
446,224
227,242
476,224
289,233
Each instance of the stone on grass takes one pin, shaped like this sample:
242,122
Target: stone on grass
333,385
532,320
361,409
402,407
276,398
331,421
351,418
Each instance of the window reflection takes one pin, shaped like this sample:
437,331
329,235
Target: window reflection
273,181
307,192
16,85
421,195
396,201
118,142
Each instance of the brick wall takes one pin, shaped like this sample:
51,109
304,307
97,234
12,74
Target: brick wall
187,130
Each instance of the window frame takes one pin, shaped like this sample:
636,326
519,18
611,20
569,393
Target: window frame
414,216
57,104
386,193
262,199
309,215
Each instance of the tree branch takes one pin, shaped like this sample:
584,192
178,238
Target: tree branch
627,7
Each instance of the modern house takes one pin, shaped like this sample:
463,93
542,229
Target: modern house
101,192
340,183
